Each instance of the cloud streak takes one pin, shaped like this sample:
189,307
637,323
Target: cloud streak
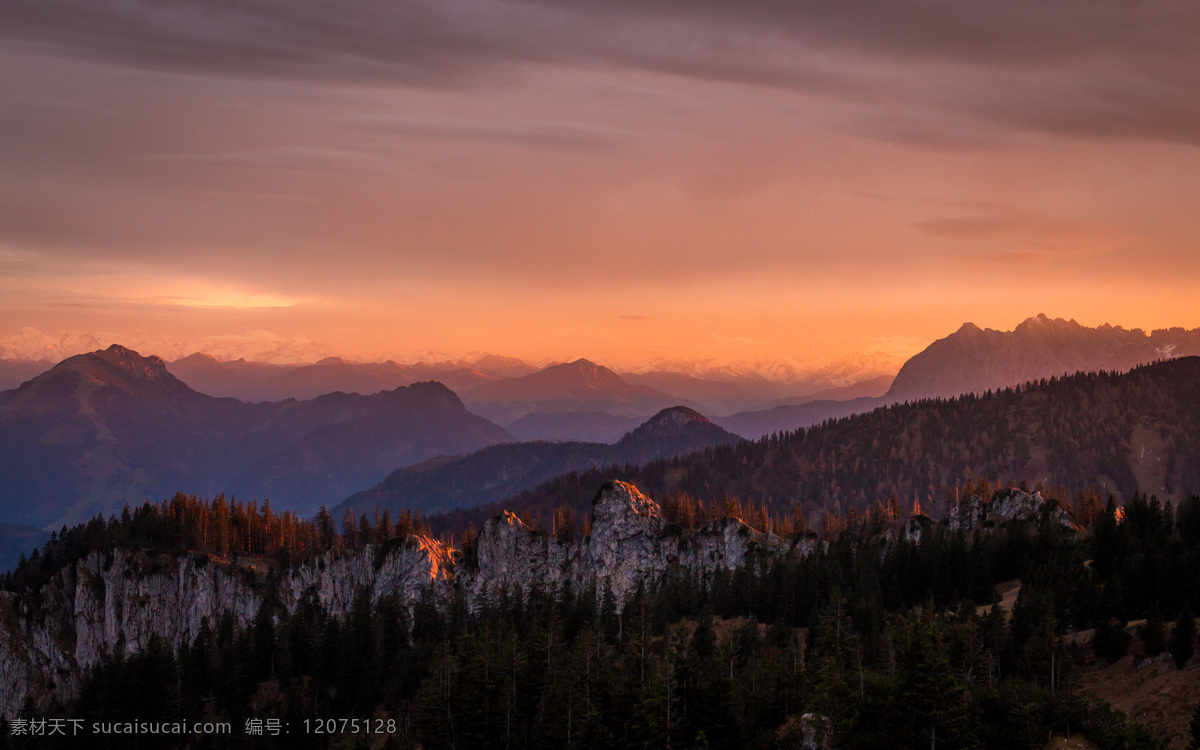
1104,68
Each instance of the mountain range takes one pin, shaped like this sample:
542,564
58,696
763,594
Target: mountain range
975,360
155,603
770,379
112,427
104,429
258,381
579,386
786,417
30,344
578,400
259,365
1117,433
499,471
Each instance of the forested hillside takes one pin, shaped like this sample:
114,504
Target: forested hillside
884,629
1111,433
877,640
500,471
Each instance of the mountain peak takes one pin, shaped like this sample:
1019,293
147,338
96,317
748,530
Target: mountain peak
1035,323
116,352
431,387
1043,322
130,363
497,365
676,430
199,358
1039,347
584,365
676,416
579,371
619,501
117,367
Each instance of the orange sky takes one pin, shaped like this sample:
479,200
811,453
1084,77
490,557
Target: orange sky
607,181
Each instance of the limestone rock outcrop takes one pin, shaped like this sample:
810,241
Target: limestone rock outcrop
1005,506
117,602
630,542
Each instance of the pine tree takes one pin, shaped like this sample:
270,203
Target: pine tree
349,530
1195,743
1183,638
1152,634
326,533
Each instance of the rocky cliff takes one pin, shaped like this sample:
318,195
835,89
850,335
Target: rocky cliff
109,604
630,542
117,602
1006,506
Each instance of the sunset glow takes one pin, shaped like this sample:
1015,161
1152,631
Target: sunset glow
538,184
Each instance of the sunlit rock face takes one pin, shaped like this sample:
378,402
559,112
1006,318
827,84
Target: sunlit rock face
118,603
403,567
627,544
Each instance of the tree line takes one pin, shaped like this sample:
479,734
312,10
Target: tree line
896,643
219,528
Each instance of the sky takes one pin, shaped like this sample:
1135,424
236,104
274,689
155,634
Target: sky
621,180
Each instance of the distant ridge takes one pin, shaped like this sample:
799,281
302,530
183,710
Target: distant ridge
13,372
578,386
501,470
1119,433
107,428
754,424
258,346
975,360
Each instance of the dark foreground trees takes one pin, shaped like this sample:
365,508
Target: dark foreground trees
886,640
1183,638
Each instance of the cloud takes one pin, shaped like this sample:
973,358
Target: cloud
416,155
549,133
1101,68
974,227
997,225
299,158
1009,257
80,305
